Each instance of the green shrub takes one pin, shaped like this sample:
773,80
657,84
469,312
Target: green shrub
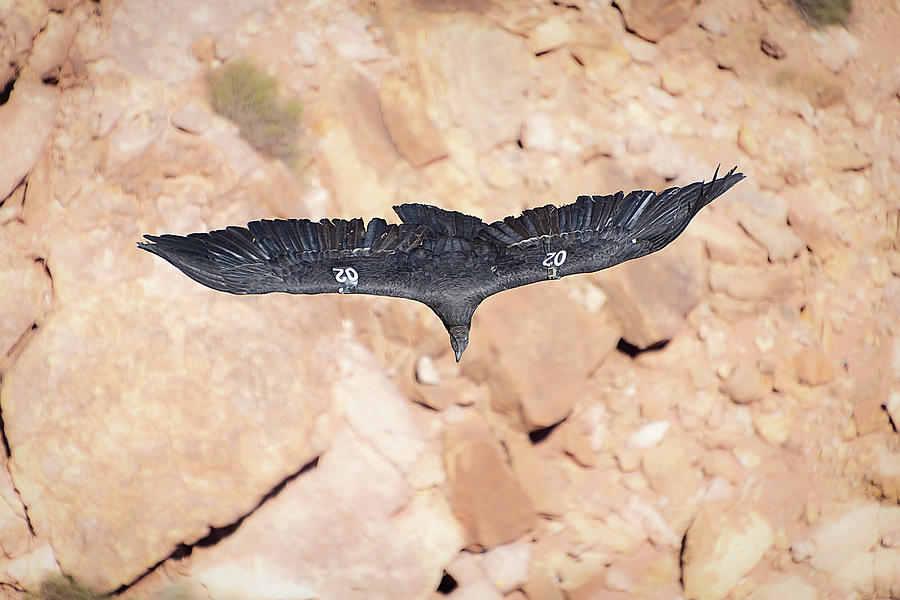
824,12
242,92
60,587
63,588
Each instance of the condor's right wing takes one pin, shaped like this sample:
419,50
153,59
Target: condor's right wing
298,256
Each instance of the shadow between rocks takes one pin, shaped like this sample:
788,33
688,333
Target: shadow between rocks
217,534
8,453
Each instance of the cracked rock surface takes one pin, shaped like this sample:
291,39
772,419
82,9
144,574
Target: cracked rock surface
717,421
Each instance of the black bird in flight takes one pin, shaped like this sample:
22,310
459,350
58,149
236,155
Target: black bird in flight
447,260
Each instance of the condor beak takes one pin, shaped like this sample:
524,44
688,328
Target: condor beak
459,339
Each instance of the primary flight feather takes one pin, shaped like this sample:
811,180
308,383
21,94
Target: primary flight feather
445,259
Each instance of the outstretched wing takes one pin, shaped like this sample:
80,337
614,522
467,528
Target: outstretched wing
298,256
448,230
595,232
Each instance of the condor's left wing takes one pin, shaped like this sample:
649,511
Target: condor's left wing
594,233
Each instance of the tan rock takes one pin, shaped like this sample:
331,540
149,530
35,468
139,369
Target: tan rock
611,532
886,573
739,50
204,48
792,587
802,550
862,113
748,141
426,372
726,243
226,47
107,119
381,416
539,134
479,76
641,51
360,134
836,48
307,46
893,404
15,45
751,200
844,544
651,297
36,11
775,428
429,518
673,82
26,295
353,536
507,566
653,19
412,130
652,522
30,570
575,575
813,367
811,214
618,578
206,463
52,46
427,472
28,118
869,392
473,463
715,23
846,157
745,383
16,539
891,539
472,582
751,283
821,87
771,46
555,319
724,543
648,436
191,118
545,484
577,443
669,469
784,161
640,140
553,33
777,237
721,463
884,475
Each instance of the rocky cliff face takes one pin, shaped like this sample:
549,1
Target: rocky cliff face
716,420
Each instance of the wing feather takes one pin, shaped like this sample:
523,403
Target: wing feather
441,222
296,255
644,214
264,236
595,232
309,235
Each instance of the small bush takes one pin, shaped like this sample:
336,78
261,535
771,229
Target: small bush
824,12
242,92
63,588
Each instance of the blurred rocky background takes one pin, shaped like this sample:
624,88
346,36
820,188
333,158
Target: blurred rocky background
716,421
